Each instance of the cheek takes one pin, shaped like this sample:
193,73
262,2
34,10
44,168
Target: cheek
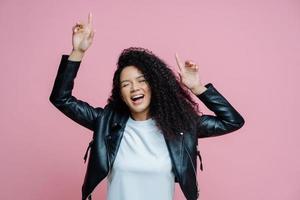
148,92
123,94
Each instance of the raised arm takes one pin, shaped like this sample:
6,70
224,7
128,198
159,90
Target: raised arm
227,118
61,96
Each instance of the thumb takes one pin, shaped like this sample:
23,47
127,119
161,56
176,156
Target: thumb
91,35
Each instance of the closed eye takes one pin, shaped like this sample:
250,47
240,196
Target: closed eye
140,81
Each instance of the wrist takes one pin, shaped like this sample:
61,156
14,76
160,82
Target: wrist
199,89
76,55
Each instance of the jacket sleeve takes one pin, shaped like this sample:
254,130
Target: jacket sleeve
227,119
61,95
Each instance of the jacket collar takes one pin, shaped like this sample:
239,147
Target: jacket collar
174,145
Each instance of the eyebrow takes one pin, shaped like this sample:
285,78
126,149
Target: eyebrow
142,75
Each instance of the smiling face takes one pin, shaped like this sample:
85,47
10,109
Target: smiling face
135,92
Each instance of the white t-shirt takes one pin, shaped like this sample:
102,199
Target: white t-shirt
142,169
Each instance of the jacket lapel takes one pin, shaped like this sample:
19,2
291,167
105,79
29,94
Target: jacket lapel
115,135
175,148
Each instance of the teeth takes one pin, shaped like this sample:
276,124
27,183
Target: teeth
137,96
140,95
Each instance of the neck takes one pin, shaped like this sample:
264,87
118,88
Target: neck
140,116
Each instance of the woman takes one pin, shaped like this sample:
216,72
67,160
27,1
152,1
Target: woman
145,139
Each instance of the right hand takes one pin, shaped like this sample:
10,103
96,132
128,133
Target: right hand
83,35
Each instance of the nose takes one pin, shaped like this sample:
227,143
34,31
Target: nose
134,87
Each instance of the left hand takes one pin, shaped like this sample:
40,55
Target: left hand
188,73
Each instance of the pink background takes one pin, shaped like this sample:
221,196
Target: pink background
248,49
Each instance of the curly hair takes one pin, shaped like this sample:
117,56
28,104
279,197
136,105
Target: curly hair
171,105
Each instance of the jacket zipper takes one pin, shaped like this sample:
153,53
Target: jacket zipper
193,169
85,158
198,153
191,163
87,150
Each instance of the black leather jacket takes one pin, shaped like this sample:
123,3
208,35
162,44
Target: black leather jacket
108,127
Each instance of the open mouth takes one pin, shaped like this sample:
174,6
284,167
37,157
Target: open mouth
137,99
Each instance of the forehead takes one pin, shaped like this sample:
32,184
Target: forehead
130,72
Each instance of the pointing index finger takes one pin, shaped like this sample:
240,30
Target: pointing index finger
178,61
90,19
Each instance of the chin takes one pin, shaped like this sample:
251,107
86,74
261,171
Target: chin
138,110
